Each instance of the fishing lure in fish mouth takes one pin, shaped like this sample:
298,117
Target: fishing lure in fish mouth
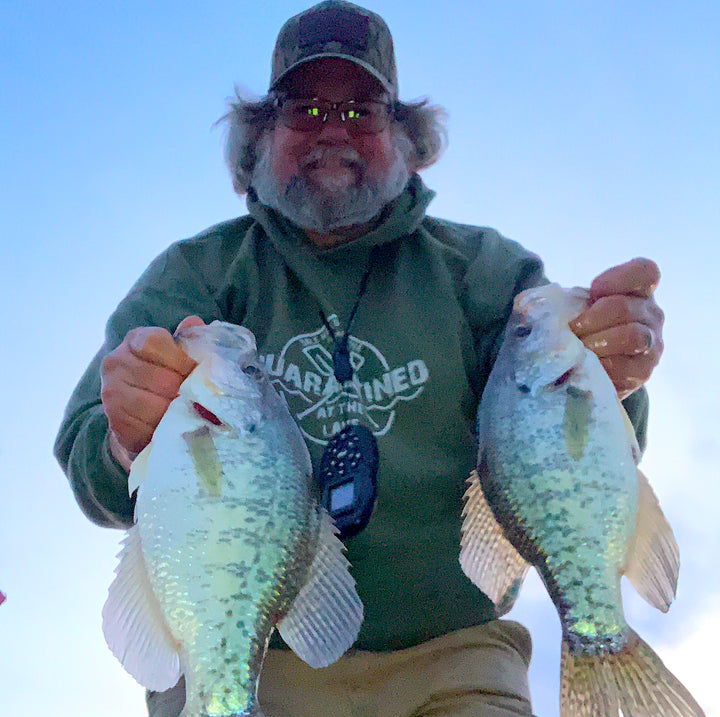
557,487
229,541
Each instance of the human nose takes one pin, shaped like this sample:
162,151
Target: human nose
333,128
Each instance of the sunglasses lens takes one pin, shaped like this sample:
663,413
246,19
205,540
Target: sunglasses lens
357,117
301,115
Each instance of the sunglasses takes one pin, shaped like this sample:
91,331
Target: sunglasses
358,118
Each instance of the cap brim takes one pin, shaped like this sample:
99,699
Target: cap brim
319,56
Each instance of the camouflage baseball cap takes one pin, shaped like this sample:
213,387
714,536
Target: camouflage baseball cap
335,28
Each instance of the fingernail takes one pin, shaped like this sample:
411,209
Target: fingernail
136,343
649,341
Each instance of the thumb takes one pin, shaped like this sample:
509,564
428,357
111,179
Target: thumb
188,322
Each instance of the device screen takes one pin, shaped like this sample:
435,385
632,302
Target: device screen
341,496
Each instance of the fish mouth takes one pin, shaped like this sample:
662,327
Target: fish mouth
526,301
231,342
536,304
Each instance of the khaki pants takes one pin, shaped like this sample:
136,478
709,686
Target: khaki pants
477,672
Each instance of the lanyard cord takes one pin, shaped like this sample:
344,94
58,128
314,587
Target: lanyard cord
341,354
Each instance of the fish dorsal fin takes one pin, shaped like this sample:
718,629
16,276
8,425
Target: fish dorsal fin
325,617
486,556
630,431
134,627
653,559
138,469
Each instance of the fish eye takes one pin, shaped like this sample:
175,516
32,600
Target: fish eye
251,370
523,331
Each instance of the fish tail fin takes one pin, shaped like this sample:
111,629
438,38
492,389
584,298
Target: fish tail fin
634,680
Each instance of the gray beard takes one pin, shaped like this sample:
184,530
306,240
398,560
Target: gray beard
326,208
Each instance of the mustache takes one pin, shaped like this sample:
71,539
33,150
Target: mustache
319,156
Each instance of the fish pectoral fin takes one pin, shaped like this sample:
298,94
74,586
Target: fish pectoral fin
133,624
205,459
576,424
325,617
486,556
653,559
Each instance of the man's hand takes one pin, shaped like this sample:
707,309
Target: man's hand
623,325
139,379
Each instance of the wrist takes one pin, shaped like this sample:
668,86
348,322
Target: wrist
121,454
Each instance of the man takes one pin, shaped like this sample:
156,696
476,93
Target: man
337,261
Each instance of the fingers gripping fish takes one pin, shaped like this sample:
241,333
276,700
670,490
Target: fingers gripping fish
557,487
229,541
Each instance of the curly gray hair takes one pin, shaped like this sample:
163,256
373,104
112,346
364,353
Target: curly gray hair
248,121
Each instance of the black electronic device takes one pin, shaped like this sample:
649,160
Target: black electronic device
348,477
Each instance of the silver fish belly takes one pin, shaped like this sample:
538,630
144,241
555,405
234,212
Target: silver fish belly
229,541
557,487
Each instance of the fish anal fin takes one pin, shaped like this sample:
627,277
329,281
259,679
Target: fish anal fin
133,624
325,617
576,423
486,556
633,679
653,560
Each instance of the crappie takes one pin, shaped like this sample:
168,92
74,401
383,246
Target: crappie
557,487
229,541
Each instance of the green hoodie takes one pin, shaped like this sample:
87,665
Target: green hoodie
422,344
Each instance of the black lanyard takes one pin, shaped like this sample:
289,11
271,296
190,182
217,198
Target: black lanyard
349,463
341,353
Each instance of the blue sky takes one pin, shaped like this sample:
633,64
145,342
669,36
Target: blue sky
587,131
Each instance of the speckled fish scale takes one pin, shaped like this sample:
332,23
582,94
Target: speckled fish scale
557,487
578,554
229,541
